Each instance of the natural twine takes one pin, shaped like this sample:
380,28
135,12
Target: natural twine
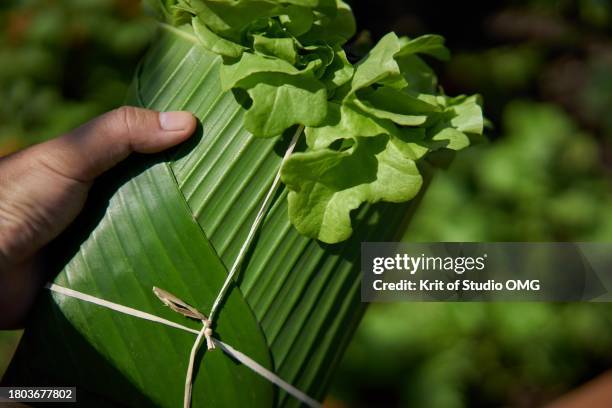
179,306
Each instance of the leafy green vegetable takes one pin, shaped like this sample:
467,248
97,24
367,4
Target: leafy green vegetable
333,183
382,101
366,125
275,97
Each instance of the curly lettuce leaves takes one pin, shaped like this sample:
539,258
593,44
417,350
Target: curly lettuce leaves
282,48
461,119
399,107
277,104
391,98
339,72
299,41
214,43
327,185
336,26
367,125
429,44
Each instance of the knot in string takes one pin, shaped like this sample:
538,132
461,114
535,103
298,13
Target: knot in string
180,306
208,334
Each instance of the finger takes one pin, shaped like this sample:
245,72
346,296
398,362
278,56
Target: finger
95,147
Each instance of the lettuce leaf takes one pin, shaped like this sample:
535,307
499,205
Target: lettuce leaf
367,125
326,185
387,99
277,104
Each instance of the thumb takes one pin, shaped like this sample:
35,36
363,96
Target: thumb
95,147
44,187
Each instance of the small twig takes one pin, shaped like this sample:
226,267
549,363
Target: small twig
183,308
178,305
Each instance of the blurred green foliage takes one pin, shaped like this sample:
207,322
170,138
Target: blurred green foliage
470,355
544,68
63,62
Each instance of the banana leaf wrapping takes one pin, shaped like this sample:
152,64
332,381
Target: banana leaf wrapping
176,221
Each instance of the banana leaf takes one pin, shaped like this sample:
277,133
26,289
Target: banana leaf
176,221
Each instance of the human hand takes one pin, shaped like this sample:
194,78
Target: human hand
43,189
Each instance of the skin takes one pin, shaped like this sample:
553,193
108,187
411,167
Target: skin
43,189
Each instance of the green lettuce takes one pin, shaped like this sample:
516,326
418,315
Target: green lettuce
367,125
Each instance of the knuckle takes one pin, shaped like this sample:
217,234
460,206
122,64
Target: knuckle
130,123
127,119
